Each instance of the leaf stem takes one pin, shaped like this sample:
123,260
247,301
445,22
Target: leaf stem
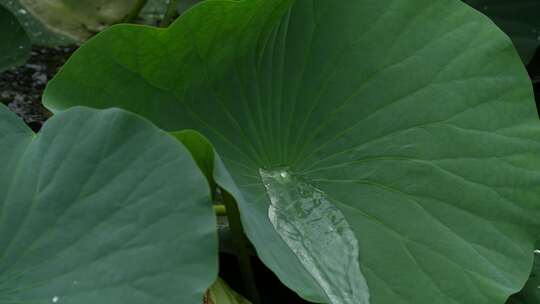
240,243
170,14
135,11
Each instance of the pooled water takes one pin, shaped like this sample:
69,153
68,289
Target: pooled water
318,233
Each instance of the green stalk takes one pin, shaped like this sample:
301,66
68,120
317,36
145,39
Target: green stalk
170,14
135,11
240,243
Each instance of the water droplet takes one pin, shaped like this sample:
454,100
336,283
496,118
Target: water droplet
537,251
22,11
75,283
486,7
318,233
55,299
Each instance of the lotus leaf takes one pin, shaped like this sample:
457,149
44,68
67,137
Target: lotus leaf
397,136
101,207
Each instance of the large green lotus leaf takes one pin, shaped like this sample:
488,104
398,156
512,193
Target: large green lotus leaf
531,292
78,19
518,18
411,123
14,43
101,207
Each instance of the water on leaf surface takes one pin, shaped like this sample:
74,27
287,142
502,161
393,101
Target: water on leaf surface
318,233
